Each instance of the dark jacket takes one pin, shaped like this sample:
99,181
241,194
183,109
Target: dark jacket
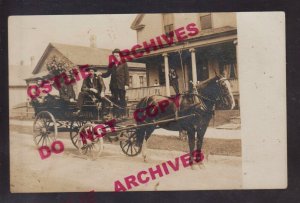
98,84
173,75
119,76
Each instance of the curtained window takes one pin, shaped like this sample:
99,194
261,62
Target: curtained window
168,20
141,81
230,71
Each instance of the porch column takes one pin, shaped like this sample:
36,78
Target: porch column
194,69
235,42
165,55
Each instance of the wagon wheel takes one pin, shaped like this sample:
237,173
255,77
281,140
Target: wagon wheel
44,129
88,142
74,129
128,142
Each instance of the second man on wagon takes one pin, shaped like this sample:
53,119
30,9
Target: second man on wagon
119,83
92,87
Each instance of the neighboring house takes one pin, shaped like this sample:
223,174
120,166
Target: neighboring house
80,55
17,84
212,51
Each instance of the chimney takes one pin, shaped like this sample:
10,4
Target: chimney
21,63
93,40
32,61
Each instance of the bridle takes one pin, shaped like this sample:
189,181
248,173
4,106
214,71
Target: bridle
221,93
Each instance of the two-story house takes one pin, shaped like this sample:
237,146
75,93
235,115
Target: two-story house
212,50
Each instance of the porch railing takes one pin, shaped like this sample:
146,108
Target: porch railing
135,94
234,85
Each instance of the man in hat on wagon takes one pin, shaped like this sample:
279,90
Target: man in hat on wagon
92,87
119,82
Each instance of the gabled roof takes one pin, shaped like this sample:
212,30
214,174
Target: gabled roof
41,75
78,55
136,23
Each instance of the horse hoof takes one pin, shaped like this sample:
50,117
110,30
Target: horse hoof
145,159
193,167
156,186
201,165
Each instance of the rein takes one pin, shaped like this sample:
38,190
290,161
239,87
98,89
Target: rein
113,103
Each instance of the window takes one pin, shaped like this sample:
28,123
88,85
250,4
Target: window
229,71
206,22
161,74
168,28
233,72
168,21
130,81
202,69
141,81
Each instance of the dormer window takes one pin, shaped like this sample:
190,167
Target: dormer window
168,20
206,22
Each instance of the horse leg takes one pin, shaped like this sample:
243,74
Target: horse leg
191,137
141,141
148,132
200,137
140,135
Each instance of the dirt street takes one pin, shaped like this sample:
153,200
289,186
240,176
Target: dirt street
71,172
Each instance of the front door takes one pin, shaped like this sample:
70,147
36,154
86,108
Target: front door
202,70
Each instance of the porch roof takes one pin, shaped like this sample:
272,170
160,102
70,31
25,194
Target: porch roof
205,38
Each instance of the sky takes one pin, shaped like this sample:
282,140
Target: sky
30,35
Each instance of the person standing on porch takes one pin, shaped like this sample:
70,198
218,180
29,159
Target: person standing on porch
156,89
119,82
174,80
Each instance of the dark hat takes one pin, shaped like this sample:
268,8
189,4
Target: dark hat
116,51
91,68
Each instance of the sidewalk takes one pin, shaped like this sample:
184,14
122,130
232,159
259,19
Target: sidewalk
20,122
210,133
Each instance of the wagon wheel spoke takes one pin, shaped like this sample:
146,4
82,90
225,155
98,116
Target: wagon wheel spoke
39,124
44,121
128,148
48,124
74,129
76,140
49,140
40,140
93,146
131,146
74,136
85,150
130,137
134,148
127,142
44,129
38,129
43,141
89,149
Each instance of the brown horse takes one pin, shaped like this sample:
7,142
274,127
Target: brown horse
197,109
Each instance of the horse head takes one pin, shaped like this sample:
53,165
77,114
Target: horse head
217,89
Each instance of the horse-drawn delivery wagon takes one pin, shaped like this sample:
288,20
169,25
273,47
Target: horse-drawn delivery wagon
192,114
